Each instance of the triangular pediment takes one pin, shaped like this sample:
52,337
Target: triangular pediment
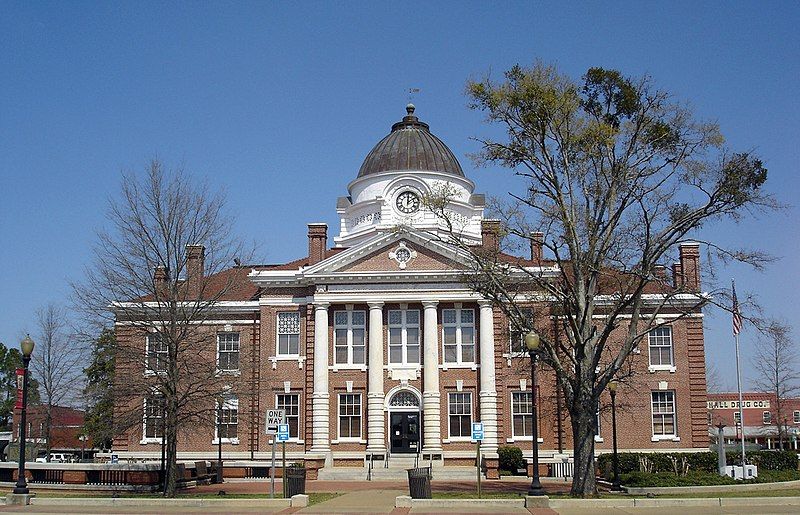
398,251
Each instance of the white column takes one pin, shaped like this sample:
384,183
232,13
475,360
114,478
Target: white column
488,393
376,436
320,441
431,400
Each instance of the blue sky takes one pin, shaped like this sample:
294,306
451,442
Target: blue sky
279,103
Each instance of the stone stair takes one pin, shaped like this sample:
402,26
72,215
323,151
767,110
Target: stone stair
396,471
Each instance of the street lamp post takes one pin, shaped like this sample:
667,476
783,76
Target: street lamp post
26,345
532,342
219,443
612,387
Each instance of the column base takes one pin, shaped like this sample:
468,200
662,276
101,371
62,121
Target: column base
19,499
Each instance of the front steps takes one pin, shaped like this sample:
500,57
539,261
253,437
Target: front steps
396,471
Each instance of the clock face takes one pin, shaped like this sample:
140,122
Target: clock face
407,202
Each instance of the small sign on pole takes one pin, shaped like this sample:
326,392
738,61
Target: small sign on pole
477,431
274,418
283,432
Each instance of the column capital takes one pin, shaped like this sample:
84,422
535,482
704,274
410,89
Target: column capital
485,303
321,304
375,304
428,304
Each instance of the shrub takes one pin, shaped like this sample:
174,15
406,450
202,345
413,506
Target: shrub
510,458
643,479
676,463
766,460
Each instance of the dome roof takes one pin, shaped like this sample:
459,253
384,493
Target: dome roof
410,146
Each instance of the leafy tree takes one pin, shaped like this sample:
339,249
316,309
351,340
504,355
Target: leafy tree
617,175
10,361
99,422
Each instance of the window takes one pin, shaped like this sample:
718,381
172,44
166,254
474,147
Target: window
228,352
522,414
289,334
766,417
290,403
796,417
153,416
458,335
460,414
737,418
228,419
404,336
518,333
348,336
350,415
663,404
660,340
157,354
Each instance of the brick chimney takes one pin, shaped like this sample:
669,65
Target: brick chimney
677,275
660,273
160,279
690,265
195,268
490,235
537,240
317,242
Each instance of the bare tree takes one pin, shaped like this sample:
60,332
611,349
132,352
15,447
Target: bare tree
776,365
617,177
165,266
57,363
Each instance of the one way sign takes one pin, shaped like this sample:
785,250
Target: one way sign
275,417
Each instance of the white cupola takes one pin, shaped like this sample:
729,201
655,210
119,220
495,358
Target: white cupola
407,165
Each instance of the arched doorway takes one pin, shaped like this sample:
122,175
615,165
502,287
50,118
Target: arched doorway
405,425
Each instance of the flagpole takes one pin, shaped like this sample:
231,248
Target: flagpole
739,385
737,327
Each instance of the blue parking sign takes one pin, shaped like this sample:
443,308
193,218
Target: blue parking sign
283,432
477,431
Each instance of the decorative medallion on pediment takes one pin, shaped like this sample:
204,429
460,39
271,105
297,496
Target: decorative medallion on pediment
403,255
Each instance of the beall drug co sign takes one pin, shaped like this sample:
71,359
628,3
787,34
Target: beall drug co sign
757,404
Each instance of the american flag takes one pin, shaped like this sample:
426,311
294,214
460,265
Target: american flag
737,317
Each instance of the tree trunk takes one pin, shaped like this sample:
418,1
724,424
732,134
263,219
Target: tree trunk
583,420
171,434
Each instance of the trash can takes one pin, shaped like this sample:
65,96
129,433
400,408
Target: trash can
419,483
295,481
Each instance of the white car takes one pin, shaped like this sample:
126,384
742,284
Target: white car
54,458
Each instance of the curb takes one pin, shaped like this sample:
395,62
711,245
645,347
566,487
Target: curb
297,501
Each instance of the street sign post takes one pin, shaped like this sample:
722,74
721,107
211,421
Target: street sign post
477,435
274,418
283,436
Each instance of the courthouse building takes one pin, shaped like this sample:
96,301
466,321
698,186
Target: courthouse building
375,346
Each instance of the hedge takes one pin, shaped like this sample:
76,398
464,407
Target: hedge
510,458
683,463
644,479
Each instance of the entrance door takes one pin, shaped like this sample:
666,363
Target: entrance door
405,432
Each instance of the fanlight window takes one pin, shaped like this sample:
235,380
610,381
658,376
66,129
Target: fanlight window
404,399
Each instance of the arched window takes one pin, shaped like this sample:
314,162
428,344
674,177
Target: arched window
404,399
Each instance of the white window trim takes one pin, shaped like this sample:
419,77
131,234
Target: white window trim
404,326
796,417
146,440
299,411
763,418
229,372
514,435
339,437
229,403
349,328
669,367
147,370
674,436
459,362
278,355
471,418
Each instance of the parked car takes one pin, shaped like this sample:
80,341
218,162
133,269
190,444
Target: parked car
55,458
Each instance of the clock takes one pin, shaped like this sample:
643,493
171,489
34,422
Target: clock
407,202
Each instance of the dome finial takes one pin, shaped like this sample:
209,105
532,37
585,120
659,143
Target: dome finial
410,109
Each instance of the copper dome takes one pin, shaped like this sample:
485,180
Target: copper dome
410,146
